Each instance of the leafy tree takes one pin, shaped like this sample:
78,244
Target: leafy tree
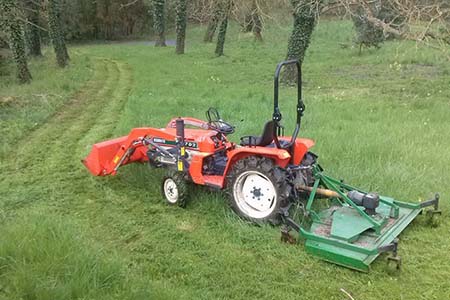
180,26
56,33
158,22
367,33
224,12
11,22
305,14
32,34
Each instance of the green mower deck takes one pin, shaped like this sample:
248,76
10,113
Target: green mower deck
346,234
343,237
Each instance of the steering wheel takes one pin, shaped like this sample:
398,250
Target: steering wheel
216,123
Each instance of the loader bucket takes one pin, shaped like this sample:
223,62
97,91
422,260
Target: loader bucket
102,154
347,235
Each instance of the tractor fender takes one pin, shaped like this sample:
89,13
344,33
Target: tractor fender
280,157
301,147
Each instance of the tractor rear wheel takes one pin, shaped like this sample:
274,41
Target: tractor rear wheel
174,189
257,189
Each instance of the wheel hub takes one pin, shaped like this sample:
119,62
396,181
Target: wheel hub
170,190
255,194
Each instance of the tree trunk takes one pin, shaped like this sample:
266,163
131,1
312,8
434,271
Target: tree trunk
158,22
16,38
32,33
212,25
221,36
181,21
304,23
256,22
223,28
56,33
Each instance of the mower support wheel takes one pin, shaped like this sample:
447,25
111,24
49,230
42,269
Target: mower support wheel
174,189
257,190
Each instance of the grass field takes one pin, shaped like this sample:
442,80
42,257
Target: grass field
380,120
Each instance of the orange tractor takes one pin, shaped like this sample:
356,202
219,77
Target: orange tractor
199,151
269,178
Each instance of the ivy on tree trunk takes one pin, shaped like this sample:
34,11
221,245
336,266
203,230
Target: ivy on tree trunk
221,36
32,33
180,24
158,22
367,34
305,14
56,33
222,28
13,26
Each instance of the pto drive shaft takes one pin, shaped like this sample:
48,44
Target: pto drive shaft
369,201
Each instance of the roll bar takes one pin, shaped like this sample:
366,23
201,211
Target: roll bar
277,116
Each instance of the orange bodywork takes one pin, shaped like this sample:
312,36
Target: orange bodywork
106,157
281,157
300,148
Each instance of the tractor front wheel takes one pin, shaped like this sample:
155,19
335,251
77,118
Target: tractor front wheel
174,189
257,190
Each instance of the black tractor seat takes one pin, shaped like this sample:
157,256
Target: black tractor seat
265,139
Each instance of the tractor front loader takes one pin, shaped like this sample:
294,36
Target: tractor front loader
269,178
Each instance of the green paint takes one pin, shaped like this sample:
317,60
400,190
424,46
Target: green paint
344,234
342,218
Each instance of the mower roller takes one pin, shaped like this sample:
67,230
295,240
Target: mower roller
270,178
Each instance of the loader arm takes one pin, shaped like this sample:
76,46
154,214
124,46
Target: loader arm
106,157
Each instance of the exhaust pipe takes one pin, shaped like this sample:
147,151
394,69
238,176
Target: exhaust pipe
180,144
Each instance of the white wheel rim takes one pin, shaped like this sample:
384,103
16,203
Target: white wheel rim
255,194
170,190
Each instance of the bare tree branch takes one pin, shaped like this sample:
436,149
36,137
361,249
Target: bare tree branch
122,6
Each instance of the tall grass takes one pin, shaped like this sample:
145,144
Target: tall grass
380,121
48,257
24,108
